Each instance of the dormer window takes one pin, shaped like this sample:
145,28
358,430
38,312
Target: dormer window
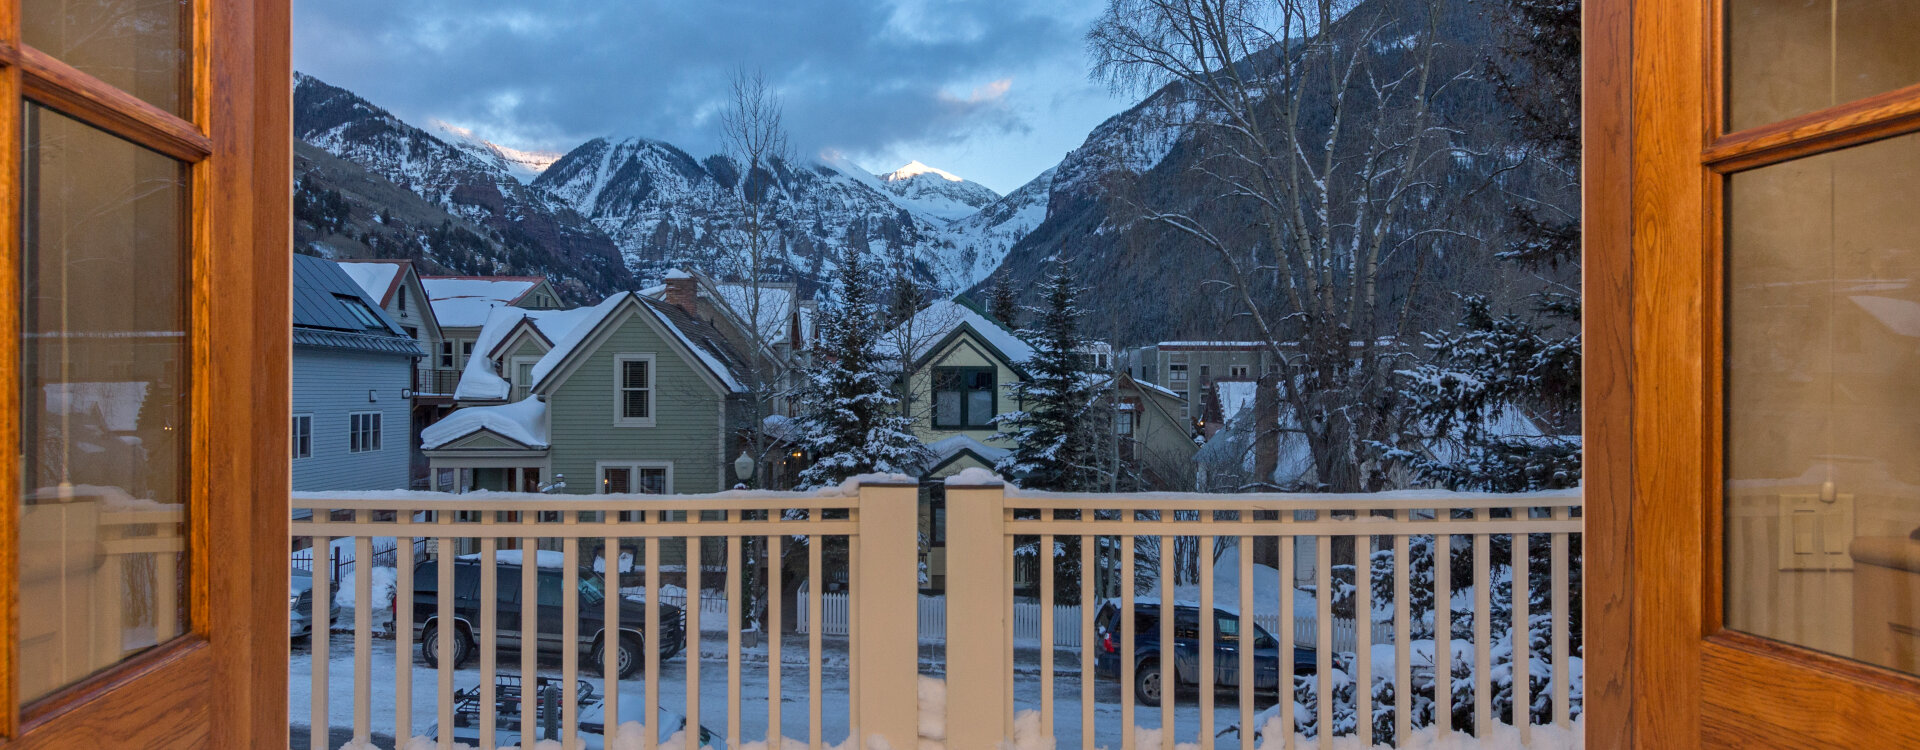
964,397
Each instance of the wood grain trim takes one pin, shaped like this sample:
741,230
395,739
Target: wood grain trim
1607,328
99,104
1669,73
158,702
1882,116
1764,693
10,371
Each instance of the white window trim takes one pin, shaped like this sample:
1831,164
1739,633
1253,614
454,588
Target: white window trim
295,438
374,434
619,390
600,472
513,372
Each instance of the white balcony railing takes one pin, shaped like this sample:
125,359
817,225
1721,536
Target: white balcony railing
1002,679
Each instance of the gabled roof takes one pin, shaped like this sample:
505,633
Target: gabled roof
380,278
699,341
779,304
464,301
478,381
330,310
523,422
935,326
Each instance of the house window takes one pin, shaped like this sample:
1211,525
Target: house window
522,376
1182,394
646,479
303,436
466,351
1238,371
1123,421
1177,372
964,397
361,313
633,396
363,432
446,355
400,299
1206,372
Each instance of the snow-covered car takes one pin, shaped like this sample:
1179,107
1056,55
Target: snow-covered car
547,711
300,606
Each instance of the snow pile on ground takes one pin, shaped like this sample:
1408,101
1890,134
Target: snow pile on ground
381,606
545,558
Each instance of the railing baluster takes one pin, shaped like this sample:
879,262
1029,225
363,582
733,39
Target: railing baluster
1562,640
1442,628
1363,637
1521,637
1323,646
317,643
1244,646
569,631
529,615
736,620
1089,607
1206,623
362,625
1290,642
1046,632
403,620
1402,637
650,644
1007,621
696,564
853,633
610,635
775,575
1482,649
1127,677
488,637
1169,662
443,597
815,624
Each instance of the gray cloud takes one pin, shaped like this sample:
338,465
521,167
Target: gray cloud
864,78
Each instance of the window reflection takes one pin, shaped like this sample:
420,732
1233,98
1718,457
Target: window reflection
138,46
104,408
1789,57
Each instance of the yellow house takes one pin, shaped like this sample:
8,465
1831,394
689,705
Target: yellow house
957,365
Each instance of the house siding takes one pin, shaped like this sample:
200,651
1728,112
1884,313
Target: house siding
330,385
964,351
687,416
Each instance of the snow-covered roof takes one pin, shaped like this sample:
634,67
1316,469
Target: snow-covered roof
1235,396
117,403
776,307
479,381
1161,389
524,422
592,318
953,446
932,325
464,301
377,277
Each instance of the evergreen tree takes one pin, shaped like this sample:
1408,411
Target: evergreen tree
1055,437
1492,363
1003,302
851,419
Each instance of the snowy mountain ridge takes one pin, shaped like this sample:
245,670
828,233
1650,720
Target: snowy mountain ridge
523,165
936,192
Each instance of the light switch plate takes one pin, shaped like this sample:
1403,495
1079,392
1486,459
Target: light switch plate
1813,534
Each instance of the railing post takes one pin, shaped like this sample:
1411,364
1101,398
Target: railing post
978,673
886,658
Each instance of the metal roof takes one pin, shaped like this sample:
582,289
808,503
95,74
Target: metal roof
331,310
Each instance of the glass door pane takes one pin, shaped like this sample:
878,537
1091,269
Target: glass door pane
1790,57
104,422
1823,403
141,47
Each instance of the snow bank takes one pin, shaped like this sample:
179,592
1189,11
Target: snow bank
545,558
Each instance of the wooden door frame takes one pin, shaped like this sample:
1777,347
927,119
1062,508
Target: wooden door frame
1662,671
224,684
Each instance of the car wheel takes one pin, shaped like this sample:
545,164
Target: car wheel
430,646
627,660
1147,683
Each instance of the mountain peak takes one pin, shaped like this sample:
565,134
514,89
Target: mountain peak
914,169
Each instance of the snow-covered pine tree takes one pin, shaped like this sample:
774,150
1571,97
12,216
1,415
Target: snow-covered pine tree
850,416
1054,436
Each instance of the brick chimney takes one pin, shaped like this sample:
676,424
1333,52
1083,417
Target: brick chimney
681,290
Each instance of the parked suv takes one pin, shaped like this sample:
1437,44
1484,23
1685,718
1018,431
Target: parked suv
550,609
1148,680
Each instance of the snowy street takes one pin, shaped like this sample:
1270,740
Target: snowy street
713,692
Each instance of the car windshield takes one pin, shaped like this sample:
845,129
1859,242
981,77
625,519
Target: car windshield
592,589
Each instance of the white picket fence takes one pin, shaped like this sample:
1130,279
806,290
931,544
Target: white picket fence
1067,624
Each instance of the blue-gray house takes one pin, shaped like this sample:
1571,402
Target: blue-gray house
352,371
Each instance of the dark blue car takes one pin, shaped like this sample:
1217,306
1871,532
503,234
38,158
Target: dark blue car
1147,668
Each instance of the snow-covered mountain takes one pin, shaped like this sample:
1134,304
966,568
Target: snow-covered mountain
983,238
936,192
524,165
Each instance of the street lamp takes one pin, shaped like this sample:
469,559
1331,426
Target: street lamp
743,467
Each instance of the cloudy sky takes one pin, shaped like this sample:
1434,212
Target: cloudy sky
992,90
